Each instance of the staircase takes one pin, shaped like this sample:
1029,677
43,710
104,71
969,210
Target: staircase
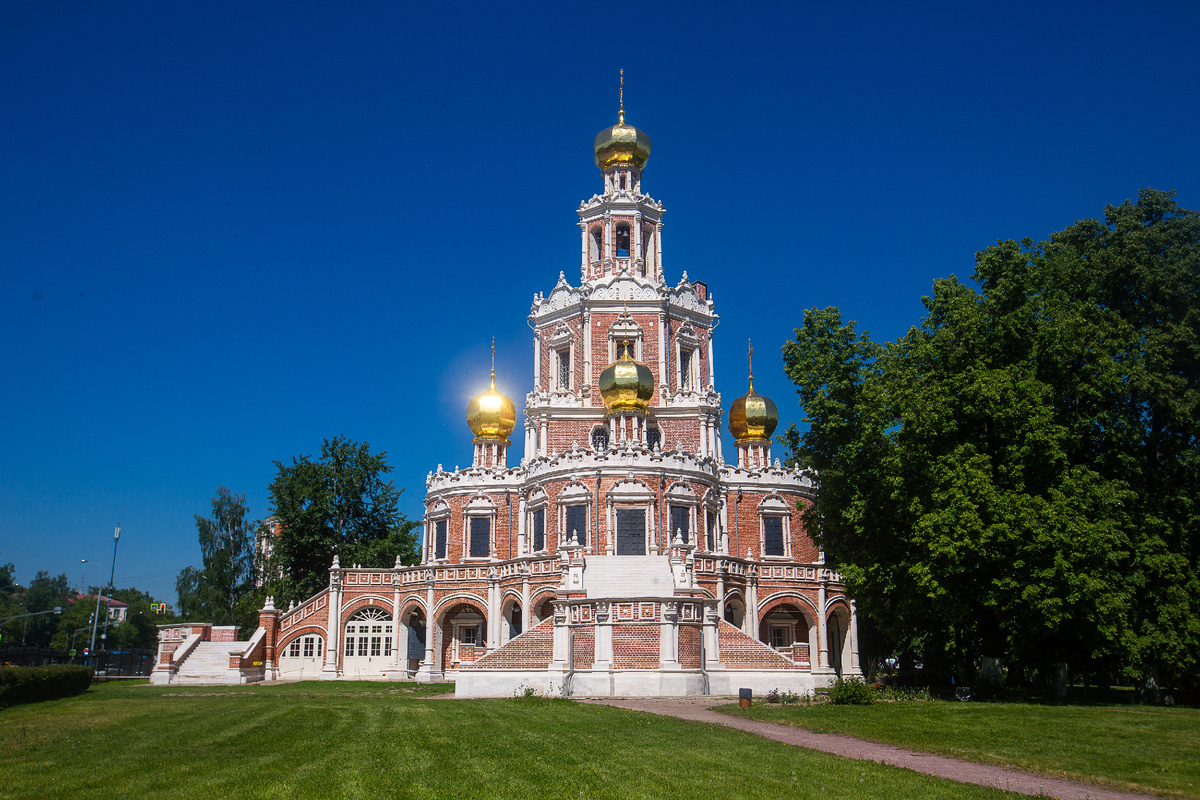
627,576
208,663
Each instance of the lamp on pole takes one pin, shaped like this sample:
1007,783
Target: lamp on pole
112,575
83,576
96,617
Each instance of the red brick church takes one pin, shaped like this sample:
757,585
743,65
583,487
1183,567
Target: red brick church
623,554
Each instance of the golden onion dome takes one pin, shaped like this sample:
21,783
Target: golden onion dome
621,144
752,416
626,384
491,415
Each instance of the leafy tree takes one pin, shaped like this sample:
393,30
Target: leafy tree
336,504
1017,477
44,594
216,591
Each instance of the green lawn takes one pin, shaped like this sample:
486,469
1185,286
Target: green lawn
1144,748
378,740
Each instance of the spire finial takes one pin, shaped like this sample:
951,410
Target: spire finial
621,97
750,359
493,362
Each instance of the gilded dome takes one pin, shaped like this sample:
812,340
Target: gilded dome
491,415
621,144
752,416
626,384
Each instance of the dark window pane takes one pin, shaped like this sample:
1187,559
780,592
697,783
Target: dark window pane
773,536
539,529
480,533
679,522
576,523
440,539
631,532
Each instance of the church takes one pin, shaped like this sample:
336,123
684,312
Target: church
624,554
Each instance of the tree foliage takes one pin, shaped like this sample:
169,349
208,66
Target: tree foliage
338,504
1017,477
222,590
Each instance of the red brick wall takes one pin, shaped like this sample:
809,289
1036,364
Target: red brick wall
635,646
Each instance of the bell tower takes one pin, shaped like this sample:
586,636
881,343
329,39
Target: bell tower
621,228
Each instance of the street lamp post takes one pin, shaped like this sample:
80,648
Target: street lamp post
83,576
96,617
112,575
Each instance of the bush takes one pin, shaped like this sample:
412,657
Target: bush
773,696
35,684
851,692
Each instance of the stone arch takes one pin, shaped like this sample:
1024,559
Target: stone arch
541,606
361,602
412,630
733,608
837,634
787,618
461,622
511,610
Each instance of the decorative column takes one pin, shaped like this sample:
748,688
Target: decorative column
664,379
604,648
668,636
333,627
526,611
493,626
822,638
394,671
427,673
853,634
268,620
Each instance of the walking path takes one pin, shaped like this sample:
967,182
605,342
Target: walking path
962,771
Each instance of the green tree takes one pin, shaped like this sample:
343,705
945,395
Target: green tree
216,592
338,504
44,594
1017,477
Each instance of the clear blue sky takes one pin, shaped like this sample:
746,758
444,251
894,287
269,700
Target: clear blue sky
231,230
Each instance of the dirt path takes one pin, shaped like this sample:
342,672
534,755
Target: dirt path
962,771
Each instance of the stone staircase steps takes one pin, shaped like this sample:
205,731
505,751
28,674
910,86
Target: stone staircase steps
207,663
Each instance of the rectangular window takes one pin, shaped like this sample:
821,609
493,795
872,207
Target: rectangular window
308,646
439,544
631,532
779,637
376,644
320,644
468,636
685,369
387,646
712,532
773,536
539,530
362,645
481,528
294,649
679,522
349,645
576,524
564,370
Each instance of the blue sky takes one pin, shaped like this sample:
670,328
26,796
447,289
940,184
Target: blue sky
231,230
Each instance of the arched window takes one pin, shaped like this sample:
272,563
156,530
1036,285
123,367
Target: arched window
368,642
595,245
623,240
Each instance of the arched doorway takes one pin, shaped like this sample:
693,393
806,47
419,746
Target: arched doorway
367,647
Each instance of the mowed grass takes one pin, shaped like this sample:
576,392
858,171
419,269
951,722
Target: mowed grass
372,740
1138,748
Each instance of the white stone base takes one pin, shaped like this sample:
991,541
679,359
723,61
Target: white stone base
630,682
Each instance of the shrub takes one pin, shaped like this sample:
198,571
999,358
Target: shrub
773,696
34,684
789,698
851,692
